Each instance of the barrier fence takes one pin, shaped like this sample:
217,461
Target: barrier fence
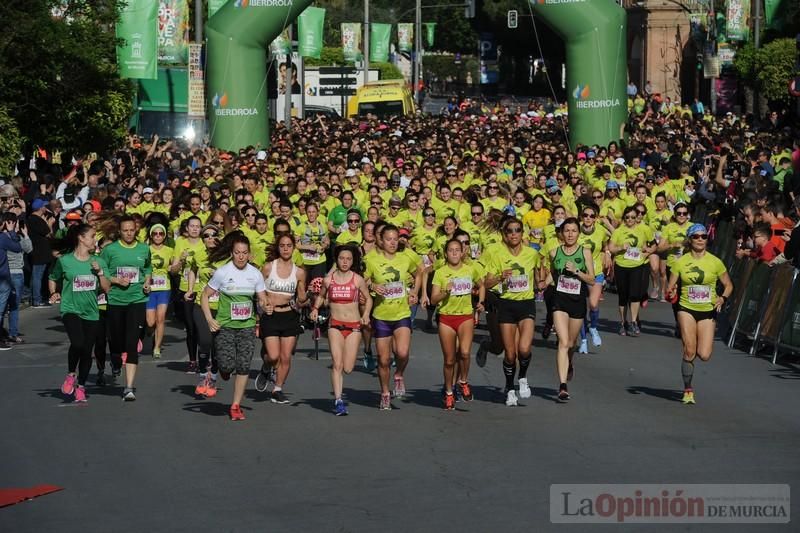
764,308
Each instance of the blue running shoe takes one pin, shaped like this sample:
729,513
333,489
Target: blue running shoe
339,409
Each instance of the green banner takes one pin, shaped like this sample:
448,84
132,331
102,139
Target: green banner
430,29
594,36
310,24
777,13
173,23
379,37
214,5
405,36
722,27
351,41
137,54
281,45
738,18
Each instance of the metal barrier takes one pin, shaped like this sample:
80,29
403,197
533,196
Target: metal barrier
751,306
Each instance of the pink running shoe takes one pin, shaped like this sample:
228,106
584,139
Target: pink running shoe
68,387
80,394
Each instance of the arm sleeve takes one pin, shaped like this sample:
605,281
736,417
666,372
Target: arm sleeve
26,244
9,242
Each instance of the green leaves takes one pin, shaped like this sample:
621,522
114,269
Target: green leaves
768,69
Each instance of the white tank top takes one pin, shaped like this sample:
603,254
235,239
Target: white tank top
278,285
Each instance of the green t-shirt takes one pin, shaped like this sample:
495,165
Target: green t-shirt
79,285
236,288
132,262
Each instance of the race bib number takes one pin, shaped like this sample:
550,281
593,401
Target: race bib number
633,254
186,273
426,260
241,310
474,250
101,299
158,283
129,273
537,233
311,256
517,283
568,285
699,294
84,283
461,286
214,297
394,290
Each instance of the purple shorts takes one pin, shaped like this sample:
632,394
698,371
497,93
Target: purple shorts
385,328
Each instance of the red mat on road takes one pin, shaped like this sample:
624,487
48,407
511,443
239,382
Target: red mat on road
12,496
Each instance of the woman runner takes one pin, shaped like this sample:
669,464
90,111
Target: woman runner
594,237
160,291
343,288
78,274
695,276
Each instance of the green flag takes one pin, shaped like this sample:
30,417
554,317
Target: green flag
214,5
776,12
173,22
738,28
430,28
351,41
379,36
281,45
137,54
310,24
405,36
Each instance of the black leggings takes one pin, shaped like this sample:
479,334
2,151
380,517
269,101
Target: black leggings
630,284
100,337
124,322
191,327
205,341
81,335
495,341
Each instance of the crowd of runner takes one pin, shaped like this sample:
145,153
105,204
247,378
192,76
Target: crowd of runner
373,226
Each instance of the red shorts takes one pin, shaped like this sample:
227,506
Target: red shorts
454,321
345,328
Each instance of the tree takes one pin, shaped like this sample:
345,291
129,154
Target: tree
10,142
60,79
768,69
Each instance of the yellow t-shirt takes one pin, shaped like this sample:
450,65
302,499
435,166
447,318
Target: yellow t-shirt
463,278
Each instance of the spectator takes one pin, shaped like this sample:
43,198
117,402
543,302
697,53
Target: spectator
16,262
764,249
9,242
40,229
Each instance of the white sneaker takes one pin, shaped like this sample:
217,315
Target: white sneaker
524,389
511,399
584,347
596,340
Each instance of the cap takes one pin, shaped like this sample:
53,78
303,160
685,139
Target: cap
366,161
611,184
155,227
551,182
147,190
261,155
95,205
73,215
38,204
620,161
350,172
590,153
404,232
554,190
581,156
399,162
210,226
696,228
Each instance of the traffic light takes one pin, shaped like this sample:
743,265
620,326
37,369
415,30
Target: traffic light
512,18
469,9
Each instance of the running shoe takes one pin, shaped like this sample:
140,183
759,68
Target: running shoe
128,395
547,329
202,387
584,346
466,392
211,388
80,394
236,413
563,394
596,340
156,353
369,362
68,387
386,402
278,396
449,402
688,397
192,368
622,330
654,294
262,379
634,330
480,357
455,393
339,408
101,379
399,386
15,340
524,389
570,373
511,398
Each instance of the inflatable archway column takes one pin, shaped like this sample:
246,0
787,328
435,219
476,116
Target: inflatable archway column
238,36
597,61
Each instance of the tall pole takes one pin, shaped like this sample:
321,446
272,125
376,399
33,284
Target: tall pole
288,84
198,38
757,45
713,34
366,41
418,55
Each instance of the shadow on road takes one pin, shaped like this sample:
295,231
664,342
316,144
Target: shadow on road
666,394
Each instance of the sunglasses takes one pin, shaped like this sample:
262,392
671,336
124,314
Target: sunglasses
476,213
336,190
699,236
157,233
681,213
589,215
511,231
412,200
249,215
464,243
630,217
430,214
641,212
493,187
209,235
597,196
353,221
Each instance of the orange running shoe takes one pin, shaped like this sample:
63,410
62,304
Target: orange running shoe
236,412
466,391
211,388
202,388
449,401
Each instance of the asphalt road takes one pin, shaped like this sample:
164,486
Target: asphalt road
172,462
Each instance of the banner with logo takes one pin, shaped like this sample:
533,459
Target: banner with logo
197,97
137,54
351,41
379,37
281,44
697,26
722,27
776,12
310,22
737,23
173,23
405,36
214,5
430,30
